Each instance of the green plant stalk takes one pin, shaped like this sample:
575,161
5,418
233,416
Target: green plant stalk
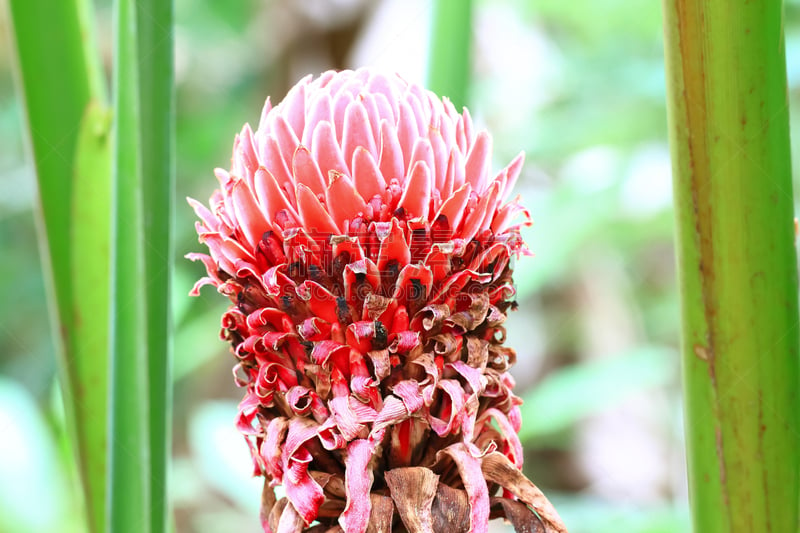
129,447
154,20
90,239
451,33
729,131
70,156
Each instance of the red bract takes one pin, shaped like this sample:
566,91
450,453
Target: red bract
367,251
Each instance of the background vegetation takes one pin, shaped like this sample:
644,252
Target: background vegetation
578,85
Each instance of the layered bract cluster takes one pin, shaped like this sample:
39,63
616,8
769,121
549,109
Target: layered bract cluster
367,251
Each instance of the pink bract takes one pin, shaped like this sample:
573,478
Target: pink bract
367,251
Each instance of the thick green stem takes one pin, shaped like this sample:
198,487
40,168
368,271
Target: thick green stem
451,34
728,110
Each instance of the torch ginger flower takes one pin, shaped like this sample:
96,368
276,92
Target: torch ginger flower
367,252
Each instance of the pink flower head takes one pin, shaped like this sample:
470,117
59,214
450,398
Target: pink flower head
367,248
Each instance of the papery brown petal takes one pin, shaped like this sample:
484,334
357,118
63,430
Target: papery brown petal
381,515
332,484
267,503
413,490
430,317
380,362
477,352
497,468
450,510
290,521
275,514
520,515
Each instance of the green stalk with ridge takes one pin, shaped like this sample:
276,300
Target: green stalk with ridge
729,134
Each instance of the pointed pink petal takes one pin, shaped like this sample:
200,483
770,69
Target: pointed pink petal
320,111
251,219
513,169
453,207
506,215
407,132
263,121
340,103
391,157
325,78
417,195
373,117
421,118
469,131
476,169
286,138
440,159
475,218
245,153
367,176
326,151
306,171
271,196
342,199
422,152
357,131
492,201
338,81
385,109
447,187
313,214
461,138
378,83
204,214
294,106
273,161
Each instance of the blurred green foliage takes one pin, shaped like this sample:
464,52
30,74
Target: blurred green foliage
580,87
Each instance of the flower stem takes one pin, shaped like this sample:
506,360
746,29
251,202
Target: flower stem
726,78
